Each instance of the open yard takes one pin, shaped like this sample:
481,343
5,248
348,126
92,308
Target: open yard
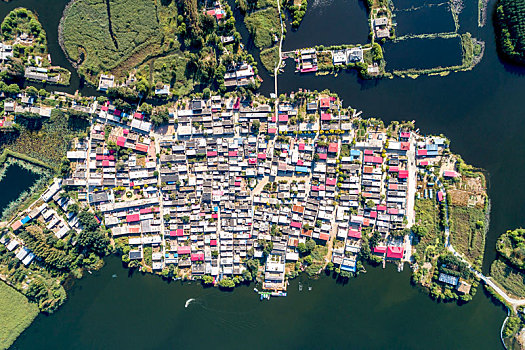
16,314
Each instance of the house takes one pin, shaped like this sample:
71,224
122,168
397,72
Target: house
395,253
106,82
463,286
6,51
163,91
354,55
339,57
448,279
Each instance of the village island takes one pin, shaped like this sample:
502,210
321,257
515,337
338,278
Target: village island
180,167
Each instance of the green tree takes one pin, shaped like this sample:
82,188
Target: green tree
226,283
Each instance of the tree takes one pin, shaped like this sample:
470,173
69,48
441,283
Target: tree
247,275
345,274
206,93
253,266
31,90
207,280
160,116
146,108
73,208
419,231
301,247
308,259
376,236
310,245
256,124
226,283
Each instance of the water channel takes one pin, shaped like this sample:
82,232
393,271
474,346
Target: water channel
478,110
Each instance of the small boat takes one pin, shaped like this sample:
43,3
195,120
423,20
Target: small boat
114,275
300,287
279,294
90,272
265,295
309,288
188,302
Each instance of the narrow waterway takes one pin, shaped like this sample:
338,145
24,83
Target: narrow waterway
480,111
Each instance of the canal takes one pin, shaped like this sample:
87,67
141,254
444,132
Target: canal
479,110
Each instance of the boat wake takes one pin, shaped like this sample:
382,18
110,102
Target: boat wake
188,302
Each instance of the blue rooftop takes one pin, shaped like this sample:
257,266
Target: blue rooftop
301,169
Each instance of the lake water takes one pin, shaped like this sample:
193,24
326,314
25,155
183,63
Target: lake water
378,310
480,111
16,180
338,22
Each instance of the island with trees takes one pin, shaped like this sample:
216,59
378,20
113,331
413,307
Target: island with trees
24,42
509,22
508,272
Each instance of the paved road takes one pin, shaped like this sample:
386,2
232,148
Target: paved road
412,183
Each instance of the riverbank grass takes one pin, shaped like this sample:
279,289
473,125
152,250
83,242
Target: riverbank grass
16,314
270,58
109,35
511,279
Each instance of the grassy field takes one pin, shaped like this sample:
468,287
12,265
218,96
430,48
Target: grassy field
131,34
263,25
427,216
16,314
270,58
171,70
509,278
467,231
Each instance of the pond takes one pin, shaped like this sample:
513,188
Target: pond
422,53
425,20
16,180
